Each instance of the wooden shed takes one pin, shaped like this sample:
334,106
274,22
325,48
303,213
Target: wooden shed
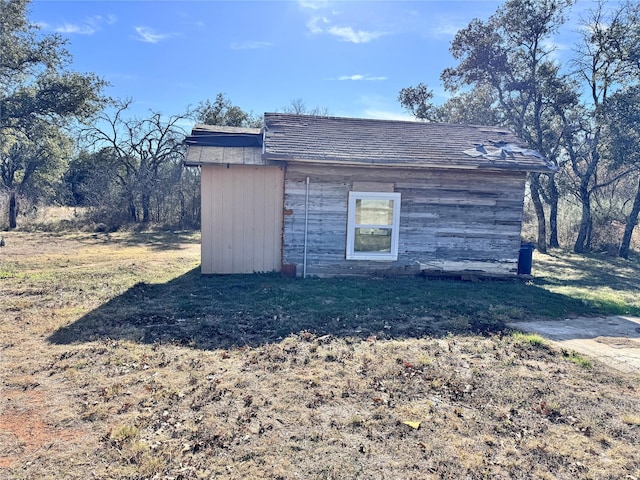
327,196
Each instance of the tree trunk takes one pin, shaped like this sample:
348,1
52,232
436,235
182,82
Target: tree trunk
146,207
13,209
553,213
133,214
632,221
584,232
539,208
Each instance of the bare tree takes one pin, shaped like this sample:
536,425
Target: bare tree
147,152
602,65
298,106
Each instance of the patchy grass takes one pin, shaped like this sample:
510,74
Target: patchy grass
605,283
237,310
532,339
120,361
579,359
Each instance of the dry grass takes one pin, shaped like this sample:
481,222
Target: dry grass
318,403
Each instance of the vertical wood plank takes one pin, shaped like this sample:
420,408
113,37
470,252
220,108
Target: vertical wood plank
218,219
273,219
241,219
259,236
247,260
206,243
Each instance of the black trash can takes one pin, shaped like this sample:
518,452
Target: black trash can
525,258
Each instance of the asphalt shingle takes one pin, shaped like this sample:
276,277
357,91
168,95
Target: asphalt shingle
358,141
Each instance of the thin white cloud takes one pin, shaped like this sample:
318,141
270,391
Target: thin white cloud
89,26
314,25
188,19
556,49
97,20
359,77
74,28
147,35
446,30
250,45
348,34
313,4
382,107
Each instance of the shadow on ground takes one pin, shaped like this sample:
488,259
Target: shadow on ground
210,312
594,270
157,241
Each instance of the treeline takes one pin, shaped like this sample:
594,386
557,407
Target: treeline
119,168
131,169
63,142
583,114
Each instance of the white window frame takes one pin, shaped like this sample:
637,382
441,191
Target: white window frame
351,254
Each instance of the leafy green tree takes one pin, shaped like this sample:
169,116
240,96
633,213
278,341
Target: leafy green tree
224,113
604,65
418,101
39,99
32,163
508,56
476,107
624,147
625,127
90,178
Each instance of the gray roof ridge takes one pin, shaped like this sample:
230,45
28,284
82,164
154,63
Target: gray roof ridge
389,121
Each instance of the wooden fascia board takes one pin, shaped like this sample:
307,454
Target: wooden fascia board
350,163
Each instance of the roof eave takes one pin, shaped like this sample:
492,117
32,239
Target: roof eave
269,157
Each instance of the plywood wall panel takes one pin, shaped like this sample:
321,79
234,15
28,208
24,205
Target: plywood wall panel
241,219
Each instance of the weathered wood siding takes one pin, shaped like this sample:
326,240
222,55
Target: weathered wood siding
241,219
449,220
199,155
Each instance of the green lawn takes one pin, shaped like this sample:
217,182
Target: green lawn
230,310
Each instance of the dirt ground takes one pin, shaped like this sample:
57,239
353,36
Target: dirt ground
305,406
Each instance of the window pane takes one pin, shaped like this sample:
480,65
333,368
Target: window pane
374,212
372,240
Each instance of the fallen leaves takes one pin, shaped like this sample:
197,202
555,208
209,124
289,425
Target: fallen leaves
412,424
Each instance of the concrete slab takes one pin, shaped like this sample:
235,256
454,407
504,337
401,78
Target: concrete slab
612,340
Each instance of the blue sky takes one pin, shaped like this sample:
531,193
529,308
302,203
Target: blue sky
349,57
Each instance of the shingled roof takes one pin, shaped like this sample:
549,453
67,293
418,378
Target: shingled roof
359,141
